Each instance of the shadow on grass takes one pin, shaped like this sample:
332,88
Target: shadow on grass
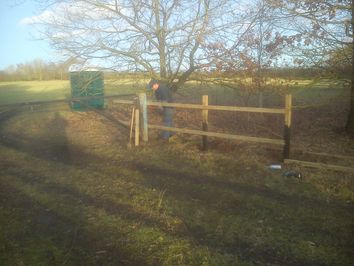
48,238
126,211
49,144
301,215
11,93
159,176
209,207
219,199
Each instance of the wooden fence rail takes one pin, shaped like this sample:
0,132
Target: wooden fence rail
205,107
219,135
75,99
219,107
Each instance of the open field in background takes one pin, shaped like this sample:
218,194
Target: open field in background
23,91
303,90
72,193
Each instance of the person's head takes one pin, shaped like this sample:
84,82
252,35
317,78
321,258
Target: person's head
154,84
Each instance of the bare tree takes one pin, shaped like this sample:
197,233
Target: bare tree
38,66
263,45
250,54
161,37
325,26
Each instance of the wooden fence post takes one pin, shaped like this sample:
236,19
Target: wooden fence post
287,126
205,114
144,118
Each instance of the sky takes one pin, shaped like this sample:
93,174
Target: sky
17,43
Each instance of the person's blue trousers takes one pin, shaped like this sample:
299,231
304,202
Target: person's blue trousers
167,121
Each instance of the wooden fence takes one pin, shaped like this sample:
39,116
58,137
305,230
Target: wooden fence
143,126
71,100
140,116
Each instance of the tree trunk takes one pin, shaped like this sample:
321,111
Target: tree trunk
161,37
350,122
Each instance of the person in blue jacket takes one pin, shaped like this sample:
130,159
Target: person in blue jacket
163,94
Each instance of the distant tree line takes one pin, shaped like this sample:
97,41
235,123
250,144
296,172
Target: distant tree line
37,69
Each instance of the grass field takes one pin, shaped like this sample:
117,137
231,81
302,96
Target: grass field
23,91
305,90
27,91
72,193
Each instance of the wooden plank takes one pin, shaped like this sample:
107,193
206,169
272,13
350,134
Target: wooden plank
123,102
319,154
321,165
347,157
219,135
219,107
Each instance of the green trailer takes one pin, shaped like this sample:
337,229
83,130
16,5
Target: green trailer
87,84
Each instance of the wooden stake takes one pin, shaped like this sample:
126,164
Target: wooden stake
137,126
205,115
131,128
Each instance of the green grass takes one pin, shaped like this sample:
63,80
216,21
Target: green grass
26,91
71,193
304,91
